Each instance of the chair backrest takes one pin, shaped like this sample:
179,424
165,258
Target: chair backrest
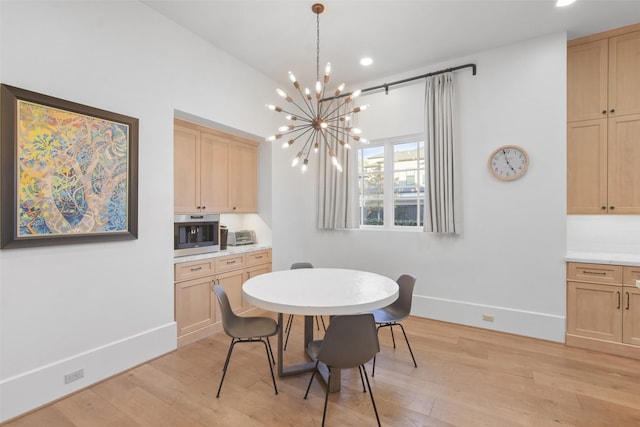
349,341
297,265
402,306
228,316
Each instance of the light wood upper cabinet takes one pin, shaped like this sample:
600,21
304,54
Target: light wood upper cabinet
624,74
624,164
186,170
587,79
603,130
214,172
587,167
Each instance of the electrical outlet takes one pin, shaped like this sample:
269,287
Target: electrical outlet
74,376
487,317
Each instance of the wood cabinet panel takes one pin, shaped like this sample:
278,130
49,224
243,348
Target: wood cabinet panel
243,178
587,79
623,160
606,274
186,170
232,262
232,283
587,167
624,74
631,316
194,305
594,311
193,269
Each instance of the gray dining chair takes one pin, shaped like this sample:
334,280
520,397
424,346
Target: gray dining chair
396,312
350,342
245,330
289,323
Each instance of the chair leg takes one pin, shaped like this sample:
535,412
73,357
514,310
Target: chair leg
289,322
323,325
273,359
373,402
407,340
267,348
286,341
360,369
326,397
226,364
311,379
393,338
373,371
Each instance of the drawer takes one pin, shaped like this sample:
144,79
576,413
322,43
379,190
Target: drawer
193,269
260,257
630,275
595,273
229,263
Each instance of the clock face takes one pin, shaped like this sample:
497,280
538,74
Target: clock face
508,162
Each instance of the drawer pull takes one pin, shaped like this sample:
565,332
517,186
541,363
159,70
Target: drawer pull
196,268
231,262
258,257
595,273
619,302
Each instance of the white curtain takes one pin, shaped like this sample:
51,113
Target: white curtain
337,191
440,210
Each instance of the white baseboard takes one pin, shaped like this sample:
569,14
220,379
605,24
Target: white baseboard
30,390
531,324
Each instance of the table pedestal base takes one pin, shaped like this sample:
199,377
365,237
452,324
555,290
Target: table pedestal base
304,367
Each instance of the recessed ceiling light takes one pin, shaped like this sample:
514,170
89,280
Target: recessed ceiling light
365,62
563,3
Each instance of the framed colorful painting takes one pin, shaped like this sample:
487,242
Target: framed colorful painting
69,172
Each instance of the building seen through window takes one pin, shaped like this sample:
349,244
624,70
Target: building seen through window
391,182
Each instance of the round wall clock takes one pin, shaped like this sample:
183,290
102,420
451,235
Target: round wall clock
508,162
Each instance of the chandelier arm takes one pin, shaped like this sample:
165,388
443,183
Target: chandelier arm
306,116
309,114
337,108
306,101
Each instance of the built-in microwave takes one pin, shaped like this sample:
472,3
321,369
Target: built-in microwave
195,234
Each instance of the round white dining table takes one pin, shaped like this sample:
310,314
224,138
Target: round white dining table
317,291
320,291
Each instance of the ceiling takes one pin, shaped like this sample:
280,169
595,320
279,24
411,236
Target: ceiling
401,36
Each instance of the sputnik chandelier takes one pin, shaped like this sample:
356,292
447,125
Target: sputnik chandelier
320,122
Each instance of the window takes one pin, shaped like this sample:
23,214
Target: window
395,198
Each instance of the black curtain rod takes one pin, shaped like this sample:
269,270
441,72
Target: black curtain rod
385,86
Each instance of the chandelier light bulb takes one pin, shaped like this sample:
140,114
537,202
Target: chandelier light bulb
288,143
315,147
284,95
274,108
307,93
291,117
304,165
339,90
286,128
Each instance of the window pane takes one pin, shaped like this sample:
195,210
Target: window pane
405,156
373,212
372,160
408,212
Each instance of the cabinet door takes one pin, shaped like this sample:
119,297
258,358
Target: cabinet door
631,316
594,311
258,270
587,81
587,167
194,305
243,178
232,284
186,167
624,72
623,161
215,175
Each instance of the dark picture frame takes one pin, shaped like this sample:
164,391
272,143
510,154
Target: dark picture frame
69,172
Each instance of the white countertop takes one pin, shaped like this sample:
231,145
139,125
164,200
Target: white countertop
604,258
231,250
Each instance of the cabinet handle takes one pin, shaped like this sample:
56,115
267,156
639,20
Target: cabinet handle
619,302
612,110
604,208
231,262
258,257
248,275
611,208
594,273
628,301
204,207
196,269
604,111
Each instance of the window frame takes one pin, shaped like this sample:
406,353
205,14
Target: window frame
388,145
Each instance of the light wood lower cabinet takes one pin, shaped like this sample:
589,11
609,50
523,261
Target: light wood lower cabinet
196,308
603,308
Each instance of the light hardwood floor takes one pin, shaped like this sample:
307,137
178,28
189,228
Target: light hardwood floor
465,377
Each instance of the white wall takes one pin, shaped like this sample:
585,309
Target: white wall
107,307
509,259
